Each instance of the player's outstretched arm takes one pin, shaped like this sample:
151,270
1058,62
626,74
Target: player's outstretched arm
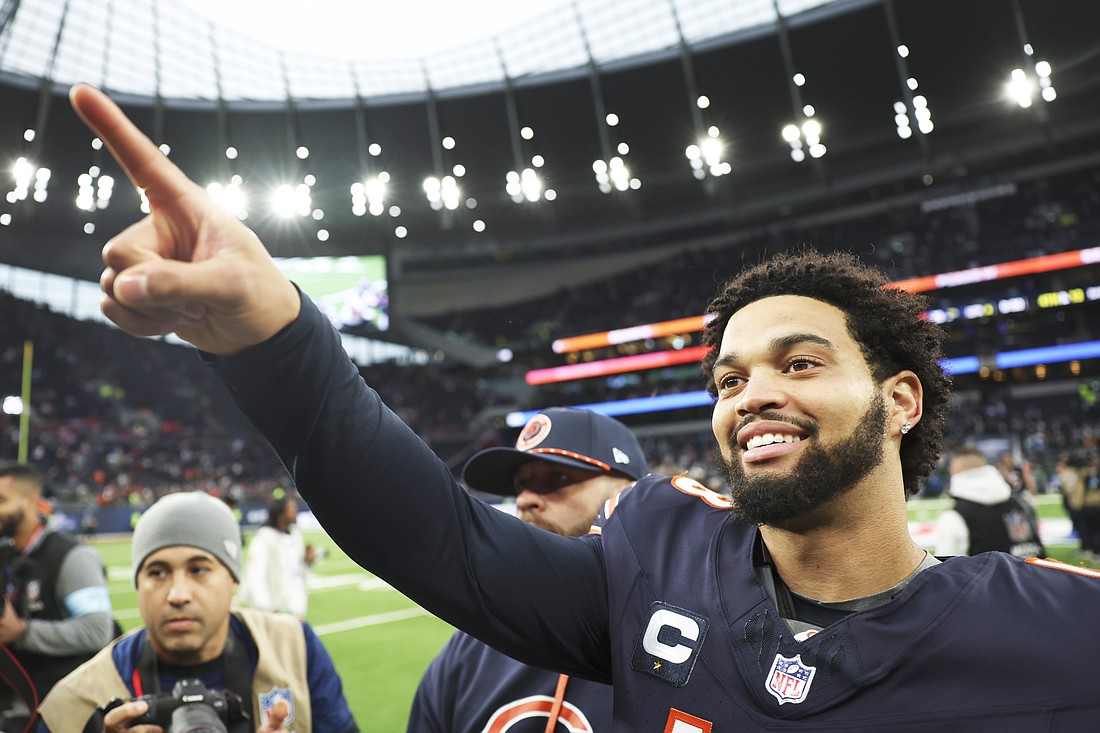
190,267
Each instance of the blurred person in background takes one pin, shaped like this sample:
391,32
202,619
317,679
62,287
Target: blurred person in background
1020,476
1089,516
1068,480
278,561
57,611
186,555
987,515
567,464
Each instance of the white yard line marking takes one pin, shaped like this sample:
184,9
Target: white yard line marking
374,620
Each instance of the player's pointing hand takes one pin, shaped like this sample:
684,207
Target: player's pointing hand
190,267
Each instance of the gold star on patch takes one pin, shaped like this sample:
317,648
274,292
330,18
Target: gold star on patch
656,665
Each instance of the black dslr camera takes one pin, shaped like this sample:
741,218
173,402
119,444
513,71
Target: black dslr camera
189,708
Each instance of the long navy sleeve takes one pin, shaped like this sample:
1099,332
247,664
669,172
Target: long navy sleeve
395,508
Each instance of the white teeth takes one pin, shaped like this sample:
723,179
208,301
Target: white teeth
768,438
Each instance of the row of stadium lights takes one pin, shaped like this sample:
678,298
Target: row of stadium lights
706,157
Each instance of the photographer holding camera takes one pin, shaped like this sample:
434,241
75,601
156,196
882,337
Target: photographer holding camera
55,612
197,665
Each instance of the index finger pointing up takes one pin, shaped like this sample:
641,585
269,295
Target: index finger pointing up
142,160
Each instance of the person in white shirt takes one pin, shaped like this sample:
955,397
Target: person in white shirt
986,515
275,573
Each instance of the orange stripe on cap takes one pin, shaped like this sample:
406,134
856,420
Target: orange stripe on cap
570,454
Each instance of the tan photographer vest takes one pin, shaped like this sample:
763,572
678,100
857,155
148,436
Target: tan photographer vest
281,665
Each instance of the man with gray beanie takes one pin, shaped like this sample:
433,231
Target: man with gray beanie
186,553
568,465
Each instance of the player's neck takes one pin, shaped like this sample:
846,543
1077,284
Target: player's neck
846,553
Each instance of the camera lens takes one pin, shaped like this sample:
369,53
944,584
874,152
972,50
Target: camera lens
196,719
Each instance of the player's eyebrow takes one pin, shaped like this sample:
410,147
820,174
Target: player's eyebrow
779,343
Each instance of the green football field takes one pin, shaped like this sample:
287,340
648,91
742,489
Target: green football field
380,641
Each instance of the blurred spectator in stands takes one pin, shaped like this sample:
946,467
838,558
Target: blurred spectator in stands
987,514
275,574
56,612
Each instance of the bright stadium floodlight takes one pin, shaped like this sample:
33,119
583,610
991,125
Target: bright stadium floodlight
370,195
358,199
524,187
1019,88
30,181
793,136
230,197
1046,84
283,201
614,175
531,185
376,192
921,112
442,193
450,193
433,191
290,201
811,133
1022,86
706,155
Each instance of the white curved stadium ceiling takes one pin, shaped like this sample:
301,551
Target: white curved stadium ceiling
274,50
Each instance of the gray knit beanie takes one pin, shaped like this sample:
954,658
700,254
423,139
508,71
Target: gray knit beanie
192,519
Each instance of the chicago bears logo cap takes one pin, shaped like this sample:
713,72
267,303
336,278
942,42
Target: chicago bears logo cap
566,435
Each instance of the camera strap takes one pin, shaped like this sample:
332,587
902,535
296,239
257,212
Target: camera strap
15,676
238,672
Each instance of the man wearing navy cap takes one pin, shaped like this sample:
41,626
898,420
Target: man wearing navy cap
566,465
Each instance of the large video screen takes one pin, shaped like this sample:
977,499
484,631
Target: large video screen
352,291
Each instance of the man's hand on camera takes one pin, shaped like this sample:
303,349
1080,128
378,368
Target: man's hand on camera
118,719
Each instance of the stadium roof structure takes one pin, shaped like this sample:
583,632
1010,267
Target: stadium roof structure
271,51
593,127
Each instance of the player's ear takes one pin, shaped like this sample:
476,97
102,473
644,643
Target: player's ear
904,397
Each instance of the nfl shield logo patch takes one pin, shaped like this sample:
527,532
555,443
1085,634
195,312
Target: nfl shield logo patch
789,679
268,701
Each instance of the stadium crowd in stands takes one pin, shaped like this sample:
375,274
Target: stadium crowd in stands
152,420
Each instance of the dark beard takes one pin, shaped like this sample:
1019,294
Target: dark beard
819,476
10,524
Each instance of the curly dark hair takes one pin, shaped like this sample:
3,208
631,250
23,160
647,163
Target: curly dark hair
886,323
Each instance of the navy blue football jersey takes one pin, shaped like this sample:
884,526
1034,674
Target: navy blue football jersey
472,688
665,601
985,643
